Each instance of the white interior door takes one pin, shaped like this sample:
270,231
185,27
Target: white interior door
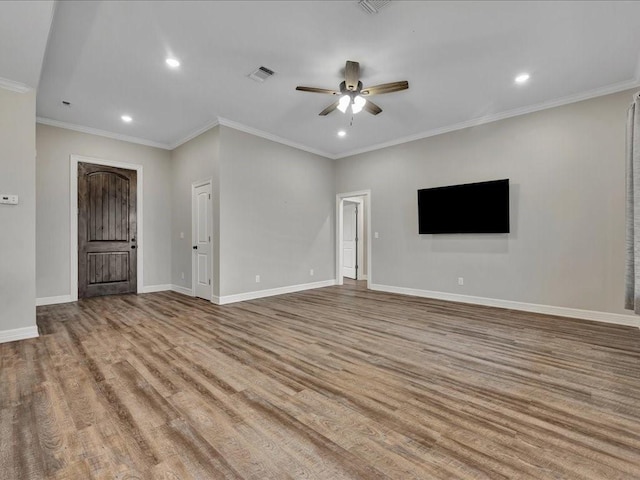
202,241
349,236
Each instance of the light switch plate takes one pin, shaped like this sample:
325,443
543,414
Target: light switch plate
9,199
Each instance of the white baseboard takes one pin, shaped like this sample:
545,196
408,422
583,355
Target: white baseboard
241,297
616,318
18,334
156,288
53,300
215,299
182,290
363,277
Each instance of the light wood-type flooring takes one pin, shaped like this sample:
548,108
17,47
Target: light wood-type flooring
333,383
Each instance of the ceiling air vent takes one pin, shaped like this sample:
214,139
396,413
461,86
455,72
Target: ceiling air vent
372,6
261,74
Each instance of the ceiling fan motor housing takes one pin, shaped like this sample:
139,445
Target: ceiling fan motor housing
345,91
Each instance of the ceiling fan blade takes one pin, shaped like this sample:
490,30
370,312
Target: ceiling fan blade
352,75
372,108
385,88
329,109
317,90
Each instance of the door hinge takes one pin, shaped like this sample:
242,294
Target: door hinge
209,196
209,281
209,238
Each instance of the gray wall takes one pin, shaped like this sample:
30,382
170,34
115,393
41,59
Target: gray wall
54,146
277,214
17,222
196,160
566,246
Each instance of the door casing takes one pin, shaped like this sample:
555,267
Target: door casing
339,260
73,218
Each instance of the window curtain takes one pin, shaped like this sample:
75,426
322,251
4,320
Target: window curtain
632,290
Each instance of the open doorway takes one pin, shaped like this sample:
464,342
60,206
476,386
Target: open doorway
353,238
353,256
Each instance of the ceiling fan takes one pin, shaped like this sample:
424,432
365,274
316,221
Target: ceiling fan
352,94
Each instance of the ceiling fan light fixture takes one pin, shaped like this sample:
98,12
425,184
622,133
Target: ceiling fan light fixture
343,103
358,104
351,92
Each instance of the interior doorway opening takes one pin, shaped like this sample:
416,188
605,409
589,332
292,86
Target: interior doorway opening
353,233
353,265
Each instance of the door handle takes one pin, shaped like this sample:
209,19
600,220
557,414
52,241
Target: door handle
195,247
133,246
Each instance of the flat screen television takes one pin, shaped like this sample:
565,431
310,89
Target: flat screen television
470,208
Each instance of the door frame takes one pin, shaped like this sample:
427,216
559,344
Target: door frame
339,234
194,185
73,218
359,201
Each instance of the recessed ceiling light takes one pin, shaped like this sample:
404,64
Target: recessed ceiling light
342,133
126,118
522,78
172,62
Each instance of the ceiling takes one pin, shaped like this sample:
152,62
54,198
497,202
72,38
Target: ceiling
460,58
24,29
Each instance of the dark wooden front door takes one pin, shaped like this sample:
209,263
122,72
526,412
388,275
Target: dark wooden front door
107,259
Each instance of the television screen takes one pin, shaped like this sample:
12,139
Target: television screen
471,208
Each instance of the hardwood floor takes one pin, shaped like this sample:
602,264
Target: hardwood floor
333,383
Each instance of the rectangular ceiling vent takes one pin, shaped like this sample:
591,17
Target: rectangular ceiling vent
372,6
261,74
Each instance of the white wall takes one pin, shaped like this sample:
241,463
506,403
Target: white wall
196,160
277,214
567,173
18,222
54,147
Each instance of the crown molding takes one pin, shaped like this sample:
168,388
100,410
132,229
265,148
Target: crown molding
194,134
14,86
101,133
273,138
598,92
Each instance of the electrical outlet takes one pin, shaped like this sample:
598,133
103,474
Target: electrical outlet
182,275
460,281
376,235
181,234
311,272
257,278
